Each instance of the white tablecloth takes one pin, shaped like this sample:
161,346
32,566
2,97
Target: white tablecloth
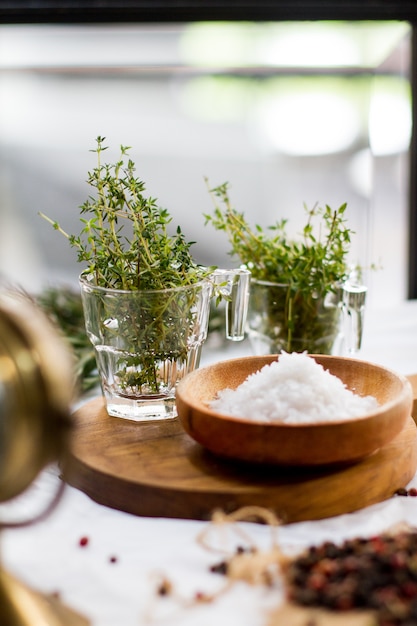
112,580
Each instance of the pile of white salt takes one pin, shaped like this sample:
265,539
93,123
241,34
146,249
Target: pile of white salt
293,390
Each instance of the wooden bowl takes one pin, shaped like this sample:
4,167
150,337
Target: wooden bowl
294,444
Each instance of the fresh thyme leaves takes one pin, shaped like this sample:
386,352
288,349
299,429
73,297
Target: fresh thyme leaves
300,309
124,239
315,263
63,306
142,292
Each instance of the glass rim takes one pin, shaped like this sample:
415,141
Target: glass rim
83,280
268,283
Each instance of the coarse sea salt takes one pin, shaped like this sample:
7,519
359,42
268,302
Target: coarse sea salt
293,390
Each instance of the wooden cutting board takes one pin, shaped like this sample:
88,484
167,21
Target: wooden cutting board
155,469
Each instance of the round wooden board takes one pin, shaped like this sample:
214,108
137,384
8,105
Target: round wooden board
155,469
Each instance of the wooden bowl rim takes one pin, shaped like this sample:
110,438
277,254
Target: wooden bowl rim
404,393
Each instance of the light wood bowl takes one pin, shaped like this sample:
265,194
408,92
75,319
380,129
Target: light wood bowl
289,444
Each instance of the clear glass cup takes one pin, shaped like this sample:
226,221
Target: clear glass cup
281,319
146,341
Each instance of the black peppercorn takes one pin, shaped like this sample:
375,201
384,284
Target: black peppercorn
379,573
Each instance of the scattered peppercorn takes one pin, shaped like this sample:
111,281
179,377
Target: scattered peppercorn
83,542
379,573
219,568
164,588
223,566
202,597
407,492
113,559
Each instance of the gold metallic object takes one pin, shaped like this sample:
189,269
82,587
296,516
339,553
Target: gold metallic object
25,607
36,390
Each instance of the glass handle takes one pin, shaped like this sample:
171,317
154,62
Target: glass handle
233,285
353,307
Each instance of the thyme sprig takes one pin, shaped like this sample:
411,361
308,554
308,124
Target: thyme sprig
300,309
126,246
316,262
124,239
63,306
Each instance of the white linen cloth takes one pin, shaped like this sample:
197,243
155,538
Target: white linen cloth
48,556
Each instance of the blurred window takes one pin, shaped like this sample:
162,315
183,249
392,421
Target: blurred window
289,113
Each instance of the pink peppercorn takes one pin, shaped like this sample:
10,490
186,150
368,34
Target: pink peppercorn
83,542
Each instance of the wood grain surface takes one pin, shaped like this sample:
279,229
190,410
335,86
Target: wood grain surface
155,469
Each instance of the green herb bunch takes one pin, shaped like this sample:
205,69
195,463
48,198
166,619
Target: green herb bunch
315,262
300,310
124,239
144,321
63,306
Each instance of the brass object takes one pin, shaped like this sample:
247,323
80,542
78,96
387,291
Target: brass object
36,390
24,607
